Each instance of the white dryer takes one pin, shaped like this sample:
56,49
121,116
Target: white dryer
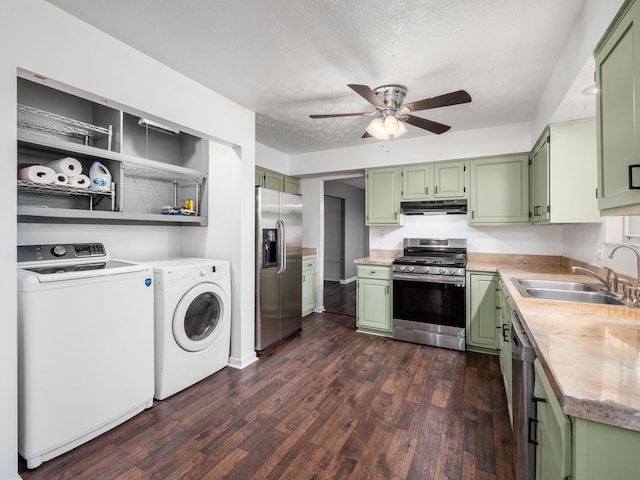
192,321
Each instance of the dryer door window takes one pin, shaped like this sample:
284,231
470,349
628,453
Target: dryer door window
197,321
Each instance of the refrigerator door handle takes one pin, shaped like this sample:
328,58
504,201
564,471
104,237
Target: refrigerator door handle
281,247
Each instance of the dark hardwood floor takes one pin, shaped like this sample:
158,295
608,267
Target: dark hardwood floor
340,299
328,404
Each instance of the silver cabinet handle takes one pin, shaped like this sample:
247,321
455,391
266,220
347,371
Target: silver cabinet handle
426,190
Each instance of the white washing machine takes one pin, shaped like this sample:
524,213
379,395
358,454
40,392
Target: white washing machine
192,321
85,346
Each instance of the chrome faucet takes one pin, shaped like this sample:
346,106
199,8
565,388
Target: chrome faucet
637,260
611,282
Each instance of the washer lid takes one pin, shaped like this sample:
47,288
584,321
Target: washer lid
54,272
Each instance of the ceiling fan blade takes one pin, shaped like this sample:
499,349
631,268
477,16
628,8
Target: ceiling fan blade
430,125
453,98
332,115
368,94
366,135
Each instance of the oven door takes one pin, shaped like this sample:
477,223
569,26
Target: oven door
429,302
429,312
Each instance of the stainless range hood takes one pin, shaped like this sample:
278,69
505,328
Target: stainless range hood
435,207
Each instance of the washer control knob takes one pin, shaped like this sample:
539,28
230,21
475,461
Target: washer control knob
59,251
202,272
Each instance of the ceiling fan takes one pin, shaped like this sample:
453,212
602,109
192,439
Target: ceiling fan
390,112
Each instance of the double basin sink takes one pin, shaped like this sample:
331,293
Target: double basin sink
566,291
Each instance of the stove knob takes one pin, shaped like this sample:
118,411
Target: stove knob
442,271
411,269
461,271
427,269
59,251
402,268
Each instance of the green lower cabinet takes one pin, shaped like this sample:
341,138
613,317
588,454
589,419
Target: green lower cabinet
483,331
308,285
504,330
373,294
578,449
604,452
553,452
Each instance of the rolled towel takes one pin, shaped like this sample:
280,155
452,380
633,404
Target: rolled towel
67,165
80,181
61,179
37,174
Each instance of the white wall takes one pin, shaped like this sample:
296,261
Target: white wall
65,49
583,38
452,145
539,240
271,159
312,190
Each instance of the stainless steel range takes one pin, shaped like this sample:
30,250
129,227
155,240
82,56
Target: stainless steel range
429,292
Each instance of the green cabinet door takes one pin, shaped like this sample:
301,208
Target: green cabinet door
553,452
274,181
449,179
383,196
483,331
618,112
259,177
374,306
373,297
499,190
540,181
291,185
308,285
417,182
504,330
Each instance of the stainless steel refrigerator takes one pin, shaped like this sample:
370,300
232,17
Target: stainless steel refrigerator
278,267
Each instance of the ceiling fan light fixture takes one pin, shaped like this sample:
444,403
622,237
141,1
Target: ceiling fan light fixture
376,129
401,130
391,124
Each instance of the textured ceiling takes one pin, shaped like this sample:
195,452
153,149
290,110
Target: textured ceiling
287,59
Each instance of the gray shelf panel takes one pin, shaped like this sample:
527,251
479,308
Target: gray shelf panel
149,168
107,217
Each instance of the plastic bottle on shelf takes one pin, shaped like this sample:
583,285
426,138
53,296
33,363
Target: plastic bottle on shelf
100,177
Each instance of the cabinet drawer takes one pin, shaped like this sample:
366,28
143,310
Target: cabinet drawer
373,271
308,264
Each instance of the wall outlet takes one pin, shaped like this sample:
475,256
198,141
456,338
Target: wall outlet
599,251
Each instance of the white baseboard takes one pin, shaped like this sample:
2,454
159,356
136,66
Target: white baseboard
244,362
347,280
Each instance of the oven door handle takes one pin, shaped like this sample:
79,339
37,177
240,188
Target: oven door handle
458,281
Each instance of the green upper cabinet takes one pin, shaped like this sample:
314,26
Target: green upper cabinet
449,179
618,112
539,180
291,185
417,182
276,181
383,196
563,174
499,190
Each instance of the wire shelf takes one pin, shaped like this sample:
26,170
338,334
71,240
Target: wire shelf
34,119
52,189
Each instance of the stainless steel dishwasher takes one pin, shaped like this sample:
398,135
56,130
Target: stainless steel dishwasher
522,357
